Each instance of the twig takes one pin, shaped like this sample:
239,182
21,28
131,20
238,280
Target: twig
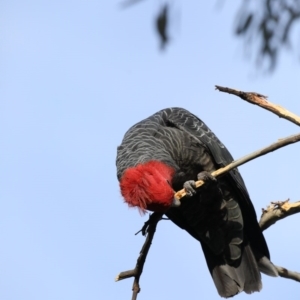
285,273
281,143
273,213
149,229
277,211
260,100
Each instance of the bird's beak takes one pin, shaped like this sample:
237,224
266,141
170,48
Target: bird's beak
175,202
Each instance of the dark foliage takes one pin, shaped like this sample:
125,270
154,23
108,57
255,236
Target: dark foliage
266,25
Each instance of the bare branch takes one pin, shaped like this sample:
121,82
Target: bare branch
149,228
260,100
277,211
281,143
285,273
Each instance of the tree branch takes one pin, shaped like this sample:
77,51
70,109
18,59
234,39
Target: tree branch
277,211
281,143
273,213
285,273
260,100
149,228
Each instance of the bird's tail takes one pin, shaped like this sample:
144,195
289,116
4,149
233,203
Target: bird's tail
243,276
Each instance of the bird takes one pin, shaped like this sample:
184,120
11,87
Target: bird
168,151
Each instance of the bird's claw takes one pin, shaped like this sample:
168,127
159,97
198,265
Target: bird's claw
206,177
189,187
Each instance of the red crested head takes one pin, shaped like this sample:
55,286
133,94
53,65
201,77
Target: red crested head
147,186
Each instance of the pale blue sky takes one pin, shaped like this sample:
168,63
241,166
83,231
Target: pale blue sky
74,76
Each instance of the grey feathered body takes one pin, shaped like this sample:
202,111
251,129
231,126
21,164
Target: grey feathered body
227,229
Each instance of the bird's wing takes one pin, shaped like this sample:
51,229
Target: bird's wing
191,124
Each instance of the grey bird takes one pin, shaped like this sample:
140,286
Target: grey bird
170,150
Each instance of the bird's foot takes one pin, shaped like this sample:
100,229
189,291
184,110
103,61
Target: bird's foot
211,189
154,218
175,202
207,178
190,188
190,185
